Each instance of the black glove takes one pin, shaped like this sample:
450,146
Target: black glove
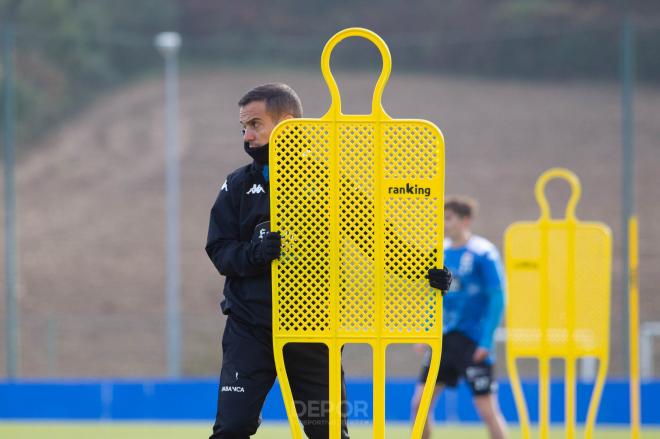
440,279
268,249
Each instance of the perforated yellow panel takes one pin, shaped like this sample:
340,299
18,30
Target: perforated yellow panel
303,298
558,305
410,306
359,202
580,309
357,264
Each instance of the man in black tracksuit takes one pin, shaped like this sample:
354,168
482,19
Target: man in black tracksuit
242,247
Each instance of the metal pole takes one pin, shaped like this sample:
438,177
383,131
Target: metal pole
630,297
627,170
11,287
168,43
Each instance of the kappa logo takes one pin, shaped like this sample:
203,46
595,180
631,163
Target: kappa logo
224,187
256,189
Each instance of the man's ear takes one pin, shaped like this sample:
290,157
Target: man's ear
285,117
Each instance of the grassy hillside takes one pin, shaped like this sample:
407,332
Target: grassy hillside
91,201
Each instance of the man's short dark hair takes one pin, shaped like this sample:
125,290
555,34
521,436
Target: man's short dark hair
464,207
280,100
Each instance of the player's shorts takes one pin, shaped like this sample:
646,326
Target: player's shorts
456,363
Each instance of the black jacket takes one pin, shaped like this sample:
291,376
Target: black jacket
239,219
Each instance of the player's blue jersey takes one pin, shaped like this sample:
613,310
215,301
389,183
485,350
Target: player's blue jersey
473,305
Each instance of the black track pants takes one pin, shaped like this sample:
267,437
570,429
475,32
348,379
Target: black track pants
248,373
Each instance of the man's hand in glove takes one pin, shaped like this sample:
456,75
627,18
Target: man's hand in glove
268,249
440,279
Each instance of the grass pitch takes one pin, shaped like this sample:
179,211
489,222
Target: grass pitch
64,430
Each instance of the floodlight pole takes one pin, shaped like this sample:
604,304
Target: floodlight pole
168,44
11,265
630,278
627,170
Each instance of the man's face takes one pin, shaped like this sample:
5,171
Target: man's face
455,225
257,123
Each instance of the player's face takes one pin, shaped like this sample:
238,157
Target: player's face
455,225
257,124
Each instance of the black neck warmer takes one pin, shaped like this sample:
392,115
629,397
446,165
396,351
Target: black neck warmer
259,154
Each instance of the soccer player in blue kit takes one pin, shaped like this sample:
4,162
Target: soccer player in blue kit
472,309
